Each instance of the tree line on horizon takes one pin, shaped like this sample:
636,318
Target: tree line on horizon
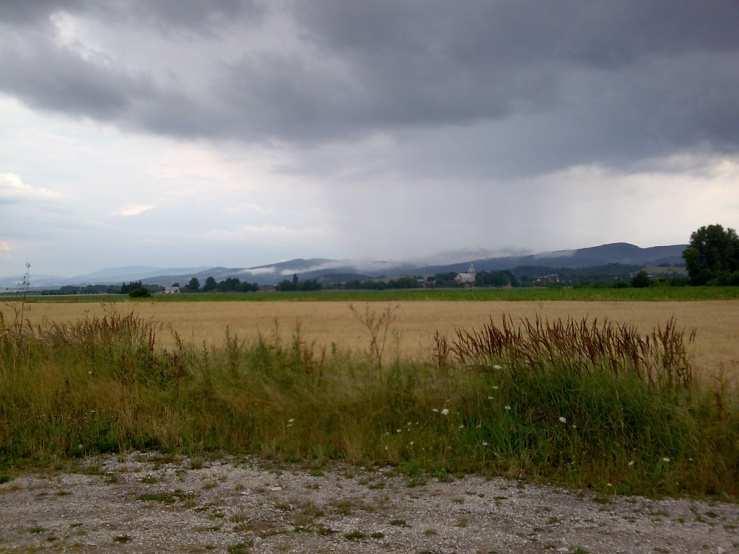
231,284
711,258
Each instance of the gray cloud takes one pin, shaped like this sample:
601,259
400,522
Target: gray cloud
165,14
189,14
24,12
485,33
45,76
479,88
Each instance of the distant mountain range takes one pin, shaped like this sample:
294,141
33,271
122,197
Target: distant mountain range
330,270
616,253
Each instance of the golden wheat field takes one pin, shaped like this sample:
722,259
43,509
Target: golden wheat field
716,322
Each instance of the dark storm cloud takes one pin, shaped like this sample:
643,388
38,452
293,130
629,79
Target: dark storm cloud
619,77
499,86
482,34
192,14
33,11
45,76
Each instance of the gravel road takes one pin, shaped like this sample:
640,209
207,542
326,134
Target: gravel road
153,503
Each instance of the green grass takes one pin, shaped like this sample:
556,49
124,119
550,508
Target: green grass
475,294
101,386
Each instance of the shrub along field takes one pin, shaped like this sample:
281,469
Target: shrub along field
565,401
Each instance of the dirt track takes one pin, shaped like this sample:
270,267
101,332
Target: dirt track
149,504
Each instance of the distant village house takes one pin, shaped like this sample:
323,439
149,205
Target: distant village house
550,279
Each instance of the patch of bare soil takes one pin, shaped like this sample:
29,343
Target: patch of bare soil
151,503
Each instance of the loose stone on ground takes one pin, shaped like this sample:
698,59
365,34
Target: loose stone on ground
154,503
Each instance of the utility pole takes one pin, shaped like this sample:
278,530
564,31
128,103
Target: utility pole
25,286
26,282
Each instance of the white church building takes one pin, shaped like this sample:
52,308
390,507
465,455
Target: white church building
467,279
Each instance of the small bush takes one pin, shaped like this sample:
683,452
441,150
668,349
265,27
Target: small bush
140,292
641,280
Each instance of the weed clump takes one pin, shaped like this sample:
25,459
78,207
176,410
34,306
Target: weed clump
583,346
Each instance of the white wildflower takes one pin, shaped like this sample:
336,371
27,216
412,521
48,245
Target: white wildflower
461,426
411,443
666,459
609,485
507,407
495,387
435,410
631,463
490,397
445,411
496,366
484,443
398,430
291,420
562,419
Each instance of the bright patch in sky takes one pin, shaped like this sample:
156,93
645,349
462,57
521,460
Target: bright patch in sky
12,188
130,211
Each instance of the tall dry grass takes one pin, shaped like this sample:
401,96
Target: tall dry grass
556,401
716,347
659,357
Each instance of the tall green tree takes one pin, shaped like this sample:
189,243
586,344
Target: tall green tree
713,255
210,284
193,285
126,288
641,280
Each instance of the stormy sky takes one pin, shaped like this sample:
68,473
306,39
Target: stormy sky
184,133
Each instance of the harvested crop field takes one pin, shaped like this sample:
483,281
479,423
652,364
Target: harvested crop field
716,322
